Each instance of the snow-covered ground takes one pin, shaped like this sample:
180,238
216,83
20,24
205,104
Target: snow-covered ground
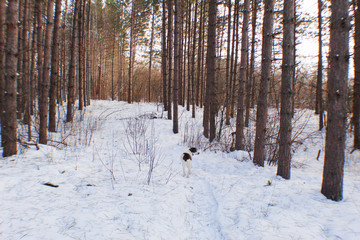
103,192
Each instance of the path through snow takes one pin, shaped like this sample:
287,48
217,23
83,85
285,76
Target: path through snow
103,195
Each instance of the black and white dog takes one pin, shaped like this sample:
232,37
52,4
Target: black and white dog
186,159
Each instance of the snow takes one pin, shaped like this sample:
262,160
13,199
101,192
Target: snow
103,190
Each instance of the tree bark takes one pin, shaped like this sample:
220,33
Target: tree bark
81,55
164,55
356,94
54,77
250,85
287,78
227,67
44,87
170,55
9,123
266,59
71,80
211,71
131,53
333,174
239,145
176,67
319,99
2,61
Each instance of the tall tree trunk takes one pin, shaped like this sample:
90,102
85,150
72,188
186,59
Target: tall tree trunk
227,67
250,85
40,46
81,55
131,53
287,78
332,184
23,98
71,80
319,99
54,77
266,58
242,78
198,98
2,61
211,71
44,87
170,55
164,55
356,95
151,50
193,62
176,67
9,123
26,70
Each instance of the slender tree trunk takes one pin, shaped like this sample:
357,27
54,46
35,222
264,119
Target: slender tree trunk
40,47
266,58
24,62
71,81
200,56
54,77
2,62
356,95
242,78
227,67
26,70
170,55
250,86
319,99
9,123
151,50
287,78
333,174
211,71
81,55
131,51
176,67
193,62
164,55
44,85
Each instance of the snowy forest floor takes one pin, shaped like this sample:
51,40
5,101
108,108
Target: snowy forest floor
116,174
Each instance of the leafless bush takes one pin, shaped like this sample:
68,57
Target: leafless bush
142,143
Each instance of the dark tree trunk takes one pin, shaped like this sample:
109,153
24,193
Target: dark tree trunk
227,68
81,55
319,99
193,63
9,123
356,95
170,55
176,67
39,47
287,78
131,53
332,184
2,60
242,78
25,80
198,98
44,87
211,71
71,80
164,55
266,58
250,85
151,50
54,77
